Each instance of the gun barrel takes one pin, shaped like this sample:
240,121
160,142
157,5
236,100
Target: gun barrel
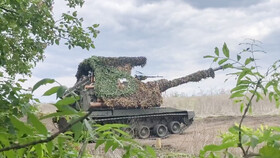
144,77
153,76
194,77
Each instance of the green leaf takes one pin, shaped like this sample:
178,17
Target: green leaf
215,59
21,80
42,82
60,141
151,151
50,147
60,92
238,57
212,155
22,127
254,141
245,139
51,91
259,96
275,87
10,154
237,94
108,145
270,83
266,134
103,128
250,110
39,151
74,13
276,144
4,137
77,130
208,56
37,124
122,132
225,50
243,73
222,61
56,41
269,152
239,87
65,101
241,107
244,82
115,146
217,51
226,66
20,152
217,147
270,96
99,142
247,61
116,125
95,25
107,133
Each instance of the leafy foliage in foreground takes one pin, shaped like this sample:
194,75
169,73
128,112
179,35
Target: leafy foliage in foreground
251,85
31,138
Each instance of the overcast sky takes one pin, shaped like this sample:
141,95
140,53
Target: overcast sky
174,35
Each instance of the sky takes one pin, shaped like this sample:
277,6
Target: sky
174,35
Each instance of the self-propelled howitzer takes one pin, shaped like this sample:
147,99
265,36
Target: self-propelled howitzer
106,87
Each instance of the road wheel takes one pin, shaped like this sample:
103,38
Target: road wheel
143,132
160,130
174,127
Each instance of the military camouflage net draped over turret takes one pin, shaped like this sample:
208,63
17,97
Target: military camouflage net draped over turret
109,71
147,95
96,62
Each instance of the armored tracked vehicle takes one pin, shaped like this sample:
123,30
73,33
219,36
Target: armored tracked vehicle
106,87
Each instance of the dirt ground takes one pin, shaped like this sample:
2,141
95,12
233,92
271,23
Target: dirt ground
206,131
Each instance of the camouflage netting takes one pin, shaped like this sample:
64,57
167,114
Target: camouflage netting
132,93
194,77
147,95
94,62
108,72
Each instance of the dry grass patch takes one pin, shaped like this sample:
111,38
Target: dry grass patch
217,105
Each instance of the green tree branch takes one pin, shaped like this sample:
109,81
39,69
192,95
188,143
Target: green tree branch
48,139
245,152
